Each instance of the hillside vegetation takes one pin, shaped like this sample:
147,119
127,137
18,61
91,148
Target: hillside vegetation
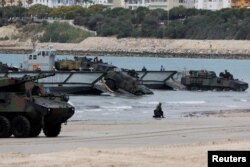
178,23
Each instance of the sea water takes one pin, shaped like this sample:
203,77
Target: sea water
175,104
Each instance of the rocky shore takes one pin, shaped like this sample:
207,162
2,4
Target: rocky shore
101,46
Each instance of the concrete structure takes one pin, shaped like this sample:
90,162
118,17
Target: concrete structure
134,4
187,3
151,4
54,3
212,4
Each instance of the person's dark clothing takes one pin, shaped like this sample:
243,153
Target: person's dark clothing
158,113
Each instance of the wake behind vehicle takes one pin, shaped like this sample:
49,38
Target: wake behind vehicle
207,80
26,108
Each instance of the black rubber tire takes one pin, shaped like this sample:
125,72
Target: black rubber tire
36,129
5,127
21,126
52,130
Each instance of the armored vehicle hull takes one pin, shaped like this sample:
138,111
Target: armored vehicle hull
122,80
207,80
26,109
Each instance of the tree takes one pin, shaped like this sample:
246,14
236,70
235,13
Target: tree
2,2
149,26
39,10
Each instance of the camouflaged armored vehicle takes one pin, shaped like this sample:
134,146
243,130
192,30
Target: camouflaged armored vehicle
125,80
207,80
83,64
26,109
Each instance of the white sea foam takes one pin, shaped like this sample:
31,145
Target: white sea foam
149,102
186,102
89,110
232,106
243,100
116,107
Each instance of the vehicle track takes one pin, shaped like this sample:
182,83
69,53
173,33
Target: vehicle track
152,134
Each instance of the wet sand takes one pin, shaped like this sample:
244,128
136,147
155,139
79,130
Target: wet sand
176,142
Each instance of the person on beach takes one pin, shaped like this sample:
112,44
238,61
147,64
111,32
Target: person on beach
158,113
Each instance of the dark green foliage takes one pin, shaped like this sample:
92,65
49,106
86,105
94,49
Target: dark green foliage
150,26
40,11
13,11
79,20
63,32
67,12
178,23
3,22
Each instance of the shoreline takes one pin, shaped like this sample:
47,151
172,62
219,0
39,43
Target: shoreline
134,54
105,46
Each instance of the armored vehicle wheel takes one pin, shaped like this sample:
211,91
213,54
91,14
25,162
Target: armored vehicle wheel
35,129
21,126
52,130
5,127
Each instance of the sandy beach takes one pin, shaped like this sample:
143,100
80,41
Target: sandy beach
166,142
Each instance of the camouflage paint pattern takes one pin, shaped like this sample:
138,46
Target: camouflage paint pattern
122,80
23,97
207,80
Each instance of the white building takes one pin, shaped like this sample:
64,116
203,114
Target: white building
187,3
108,3
134,4
212,4
54,3
151,4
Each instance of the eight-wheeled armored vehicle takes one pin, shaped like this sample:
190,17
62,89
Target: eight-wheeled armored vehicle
207,80
26,108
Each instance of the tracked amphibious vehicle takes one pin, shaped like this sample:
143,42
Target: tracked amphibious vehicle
207,80
26,108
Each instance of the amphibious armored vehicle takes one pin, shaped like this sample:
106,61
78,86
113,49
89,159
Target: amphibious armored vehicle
207,80
26,108
83,64
125,80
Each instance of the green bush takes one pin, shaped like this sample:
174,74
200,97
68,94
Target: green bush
63,32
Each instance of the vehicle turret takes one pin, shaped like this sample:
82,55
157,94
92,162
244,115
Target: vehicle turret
15,81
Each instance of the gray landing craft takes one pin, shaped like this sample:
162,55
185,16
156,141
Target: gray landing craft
84,75
26,108
207,80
